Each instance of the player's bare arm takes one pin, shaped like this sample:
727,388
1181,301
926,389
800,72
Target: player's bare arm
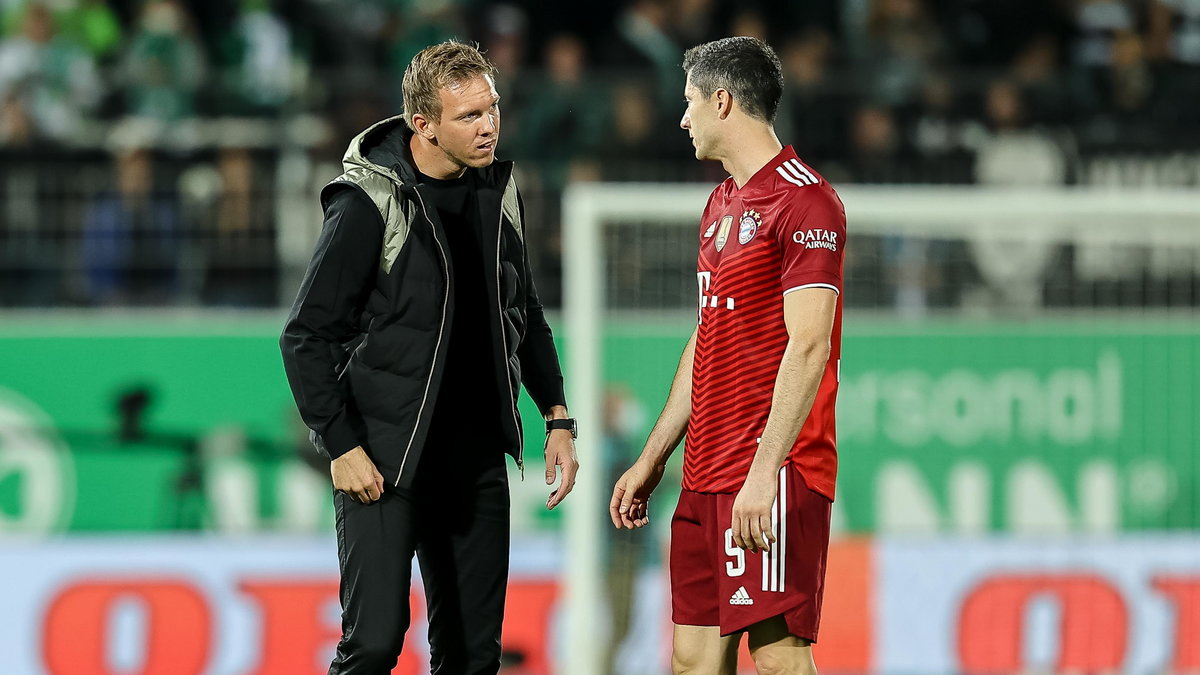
560,457
629,507
808,314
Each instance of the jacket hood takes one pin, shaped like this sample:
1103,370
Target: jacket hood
383,148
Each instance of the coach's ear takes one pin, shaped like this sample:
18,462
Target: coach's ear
423,126
724,101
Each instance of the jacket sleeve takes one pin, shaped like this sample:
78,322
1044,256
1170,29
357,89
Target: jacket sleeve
326,315
540,371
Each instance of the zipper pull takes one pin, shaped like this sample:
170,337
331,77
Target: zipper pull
521,466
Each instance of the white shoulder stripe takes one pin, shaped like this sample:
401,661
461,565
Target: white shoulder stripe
786,176
831,287
796,163
799,176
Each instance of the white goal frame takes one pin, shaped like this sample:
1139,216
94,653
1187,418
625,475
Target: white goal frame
1100,215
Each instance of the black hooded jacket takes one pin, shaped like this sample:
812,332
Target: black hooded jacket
365,344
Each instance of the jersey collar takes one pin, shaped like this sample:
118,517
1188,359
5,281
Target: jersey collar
764,173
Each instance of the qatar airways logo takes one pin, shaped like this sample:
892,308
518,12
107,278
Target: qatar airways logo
816,239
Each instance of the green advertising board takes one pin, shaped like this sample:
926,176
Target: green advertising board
948,426
980,426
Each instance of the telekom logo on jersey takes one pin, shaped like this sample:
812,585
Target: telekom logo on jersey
816,238
703,284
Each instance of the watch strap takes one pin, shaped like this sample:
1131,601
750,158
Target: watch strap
565,423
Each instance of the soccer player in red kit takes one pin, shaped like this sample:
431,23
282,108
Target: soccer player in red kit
755,387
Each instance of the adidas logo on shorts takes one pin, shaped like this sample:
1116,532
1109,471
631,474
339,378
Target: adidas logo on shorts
741,597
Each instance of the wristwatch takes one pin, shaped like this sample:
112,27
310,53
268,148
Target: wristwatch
566,423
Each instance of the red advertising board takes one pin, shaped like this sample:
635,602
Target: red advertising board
221,606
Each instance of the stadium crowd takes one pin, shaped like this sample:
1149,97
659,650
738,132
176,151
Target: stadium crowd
204,126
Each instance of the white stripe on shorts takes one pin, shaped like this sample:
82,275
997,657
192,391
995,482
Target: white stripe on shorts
774,559
782,532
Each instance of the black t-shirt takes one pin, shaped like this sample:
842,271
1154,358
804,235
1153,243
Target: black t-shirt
468,404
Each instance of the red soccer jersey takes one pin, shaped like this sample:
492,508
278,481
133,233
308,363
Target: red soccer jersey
783,231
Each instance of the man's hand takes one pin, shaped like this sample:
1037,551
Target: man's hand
560,452
752,512
630,504
355,474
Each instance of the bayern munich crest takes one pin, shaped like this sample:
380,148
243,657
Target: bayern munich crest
748,226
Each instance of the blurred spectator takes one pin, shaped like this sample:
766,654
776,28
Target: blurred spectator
560,132
1174,32
131,233
881,147
905,43
749,22
91,24
643,42
877,149
164,65
627,552
414,25
568,120
256,65
812,113
1036,70
636,147
1130,82
806,60
16,126
941,128
241,259
1124,109
1173,44
1014,152
693,21
879,155
505,45
51,78
989,34
1096,24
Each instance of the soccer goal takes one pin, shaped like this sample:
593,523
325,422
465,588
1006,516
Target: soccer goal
972,294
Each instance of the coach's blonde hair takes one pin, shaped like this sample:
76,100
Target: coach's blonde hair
441,65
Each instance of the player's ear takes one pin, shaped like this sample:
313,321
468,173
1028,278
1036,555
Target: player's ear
724,101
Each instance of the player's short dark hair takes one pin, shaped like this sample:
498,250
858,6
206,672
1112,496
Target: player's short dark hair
746,67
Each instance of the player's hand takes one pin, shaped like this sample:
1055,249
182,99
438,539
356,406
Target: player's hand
630,504
752,512
355,474
560,453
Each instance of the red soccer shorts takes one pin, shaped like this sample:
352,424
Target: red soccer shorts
714,583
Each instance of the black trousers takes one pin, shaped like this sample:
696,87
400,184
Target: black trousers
456,520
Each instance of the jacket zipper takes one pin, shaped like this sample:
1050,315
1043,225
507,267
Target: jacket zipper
504,343
437,345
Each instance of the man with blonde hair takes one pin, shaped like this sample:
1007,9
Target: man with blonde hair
415,325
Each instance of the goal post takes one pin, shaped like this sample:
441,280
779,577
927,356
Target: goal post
1044,216
586,208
